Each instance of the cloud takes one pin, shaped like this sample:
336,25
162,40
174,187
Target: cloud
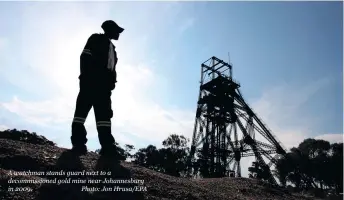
280,107
43,113
133,111
3,127
332,138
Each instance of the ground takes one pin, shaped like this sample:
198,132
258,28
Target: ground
18,156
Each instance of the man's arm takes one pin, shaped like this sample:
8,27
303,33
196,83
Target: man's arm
88,54
114,79
114,72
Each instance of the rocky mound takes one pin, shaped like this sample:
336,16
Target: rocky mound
25,136
35,164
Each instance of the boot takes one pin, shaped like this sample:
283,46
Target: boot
79,139
112,151
79,149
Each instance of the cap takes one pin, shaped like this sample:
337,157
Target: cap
111,25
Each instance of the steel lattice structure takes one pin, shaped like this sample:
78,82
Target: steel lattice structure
226,128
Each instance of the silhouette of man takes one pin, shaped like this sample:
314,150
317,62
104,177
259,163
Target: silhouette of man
98,78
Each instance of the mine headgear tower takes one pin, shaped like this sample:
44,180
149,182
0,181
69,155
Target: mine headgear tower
226,128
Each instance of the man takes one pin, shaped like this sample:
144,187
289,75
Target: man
98,78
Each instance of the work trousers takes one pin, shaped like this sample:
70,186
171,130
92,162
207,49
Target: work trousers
100,99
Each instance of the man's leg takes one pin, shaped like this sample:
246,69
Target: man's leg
103,114
83,106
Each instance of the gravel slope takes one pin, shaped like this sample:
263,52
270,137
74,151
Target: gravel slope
16,156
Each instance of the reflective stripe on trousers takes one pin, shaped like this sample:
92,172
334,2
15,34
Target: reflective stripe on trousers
79,120
104,124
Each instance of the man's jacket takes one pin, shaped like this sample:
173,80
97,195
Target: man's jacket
98,62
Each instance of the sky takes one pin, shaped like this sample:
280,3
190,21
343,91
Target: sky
287,56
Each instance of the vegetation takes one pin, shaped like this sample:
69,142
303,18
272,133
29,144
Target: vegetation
171,159
313,164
